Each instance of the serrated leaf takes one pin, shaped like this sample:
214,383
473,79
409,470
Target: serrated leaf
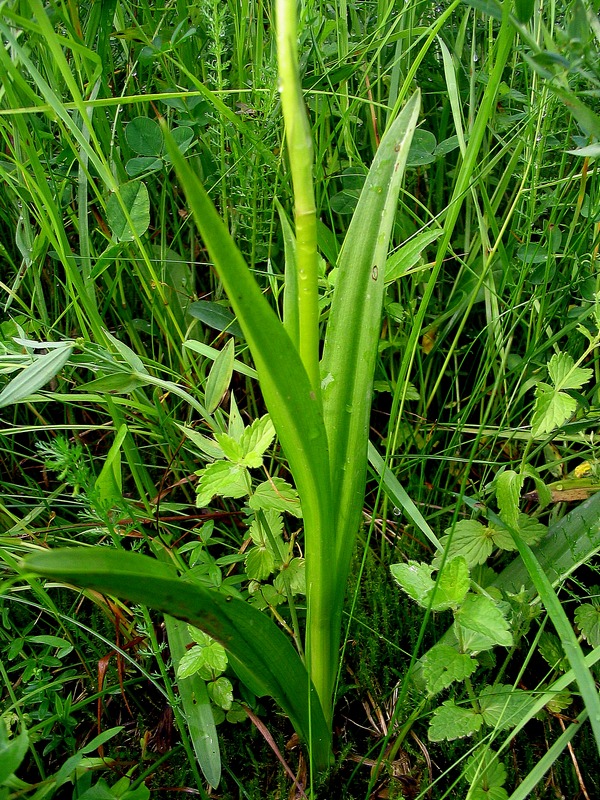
261,537
219,377
565,375
508,493
221,478
415,579
479,625
128,216
551,410
36,375
544,493
443,665
276,495
587,619
559,702
450,722
259,563
232,449
551,650
295,574
487,775
221,693
532,531
257,438
452,586
469,539
503,706
191,663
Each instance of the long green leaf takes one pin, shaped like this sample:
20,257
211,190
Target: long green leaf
583,675
296,414
36,375
354,327
258,650
196,705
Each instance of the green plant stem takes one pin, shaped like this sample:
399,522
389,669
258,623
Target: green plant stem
300,150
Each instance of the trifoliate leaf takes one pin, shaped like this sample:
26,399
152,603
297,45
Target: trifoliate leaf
265,595
508,493
479,625
443,665
221,478
207,658
565,375
277,495
221,693
551,410
486,776
236,713
551,650
259,563
503,706
415,579
256,439
470,539
450,721
295,574
587,618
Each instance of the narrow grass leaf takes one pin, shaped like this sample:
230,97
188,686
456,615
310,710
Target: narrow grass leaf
36,376
583,675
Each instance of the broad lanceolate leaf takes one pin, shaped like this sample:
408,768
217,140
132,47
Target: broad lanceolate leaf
354,327
443,665
450,722
565,375
404,259
552,409
479,625
258,650
36,375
